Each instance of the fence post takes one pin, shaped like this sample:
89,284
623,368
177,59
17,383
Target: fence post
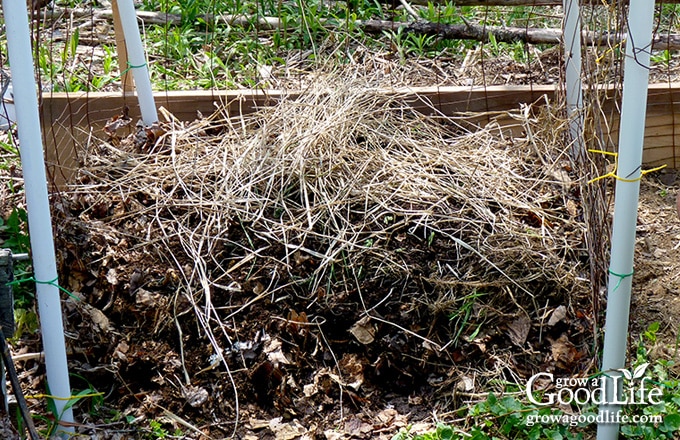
631,139
39,218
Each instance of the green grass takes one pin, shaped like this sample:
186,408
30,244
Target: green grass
461,317
202,52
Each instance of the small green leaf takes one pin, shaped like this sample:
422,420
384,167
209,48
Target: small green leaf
671,423
445,432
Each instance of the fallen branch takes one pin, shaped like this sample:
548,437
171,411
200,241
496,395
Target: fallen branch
467,31
508,34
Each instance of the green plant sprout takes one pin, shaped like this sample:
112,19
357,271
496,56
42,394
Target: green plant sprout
460,318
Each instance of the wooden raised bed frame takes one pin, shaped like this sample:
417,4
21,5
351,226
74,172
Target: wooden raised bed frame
69,120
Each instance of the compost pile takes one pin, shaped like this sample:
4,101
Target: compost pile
319,257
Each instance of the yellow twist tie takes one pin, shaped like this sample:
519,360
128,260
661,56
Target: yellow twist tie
613,174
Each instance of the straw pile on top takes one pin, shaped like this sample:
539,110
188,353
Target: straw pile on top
340,201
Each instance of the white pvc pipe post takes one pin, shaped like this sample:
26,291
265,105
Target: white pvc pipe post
572,67
137,61
39,219
631,138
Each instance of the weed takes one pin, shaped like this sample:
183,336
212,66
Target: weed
156,431
494,46
430,239
661,374
664,57
462,315
14,229
420,44
496,418
202,51
442,432
25,318
109,64
518,51
51,422
9,148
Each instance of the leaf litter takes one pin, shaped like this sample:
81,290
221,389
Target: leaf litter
335,260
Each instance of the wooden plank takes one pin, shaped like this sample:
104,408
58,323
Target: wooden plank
662,139
72,121
121,49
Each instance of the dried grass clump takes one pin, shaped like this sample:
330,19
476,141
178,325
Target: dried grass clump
347,190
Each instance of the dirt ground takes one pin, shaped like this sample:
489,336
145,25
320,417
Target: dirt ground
657,276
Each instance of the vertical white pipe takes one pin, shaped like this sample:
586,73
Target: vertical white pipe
631,137
572,67
39,220
137,60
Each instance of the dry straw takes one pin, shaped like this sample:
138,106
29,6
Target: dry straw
346,189
344,173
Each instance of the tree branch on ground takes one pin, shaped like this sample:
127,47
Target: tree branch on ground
508,34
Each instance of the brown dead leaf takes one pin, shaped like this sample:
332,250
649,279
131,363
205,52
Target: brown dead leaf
275,353
558,315
333,434
536,220
297,323
389,419
465,384
258,288
98,318
286,431
147,299
518,330
564,352
257,424
386,416
363,330
415,400
300,259
572,208
155,131
121,351
562,176
112,277
136,280
310,389
117,122
195,396
352,424
119,209
353,371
